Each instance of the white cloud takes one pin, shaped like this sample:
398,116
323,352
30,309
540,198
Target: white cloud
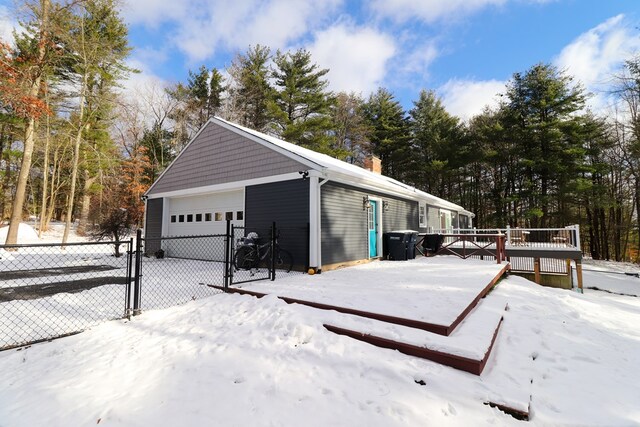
356,56
429,10
153,13
596,55
592,58
467,98
199,28
419,60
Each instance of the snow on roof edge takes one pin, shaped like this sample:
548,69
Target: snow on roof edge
336,165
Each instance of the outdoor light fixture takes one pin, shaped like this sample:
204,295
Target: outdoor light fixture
305,175
144,198
366,204
385,206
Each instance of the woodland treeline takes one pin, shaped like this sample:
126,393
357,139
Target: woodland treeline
76,146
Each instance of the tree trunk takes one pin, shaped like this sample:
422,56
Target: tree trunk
74,172
25,167
86,203
45,179
21,188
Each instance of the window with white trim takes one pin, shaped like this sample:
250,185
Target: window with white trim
422,215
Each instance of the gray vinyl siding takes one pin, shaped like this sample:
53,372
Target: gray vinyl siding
219,156
287,204
344,222
153,226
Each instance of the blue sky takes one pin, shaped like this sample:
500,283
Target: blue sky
464,49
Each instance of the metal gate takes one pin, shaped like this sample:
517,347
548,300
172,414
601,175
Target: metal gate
251,254
174,270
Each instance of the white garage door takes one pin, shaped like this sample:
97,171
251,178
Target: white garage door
200,215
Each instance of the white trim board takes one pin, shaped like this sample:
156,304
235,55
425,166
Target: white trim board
228,186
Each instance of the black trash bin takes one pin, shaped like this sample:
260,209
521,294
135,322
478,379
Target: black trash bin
432,243
400,245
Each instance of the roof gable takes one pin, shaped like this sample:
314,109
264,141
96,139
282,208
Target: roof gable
218,155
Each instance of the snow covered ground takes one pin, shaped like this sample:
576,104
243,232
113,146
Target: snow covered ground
238,360
27,234
611,276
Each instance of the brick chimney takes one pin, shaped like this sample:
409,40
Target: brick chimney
373,164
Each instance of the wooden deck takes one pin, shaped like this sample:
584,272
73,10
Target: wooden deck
442,350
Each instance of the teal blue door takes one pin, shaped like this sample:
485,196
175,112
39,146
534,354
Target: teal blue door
373,229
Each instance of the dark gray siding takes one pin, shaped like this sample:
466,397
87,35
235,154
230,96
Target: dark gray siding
344,223
219,156
153,226
286,203
401,215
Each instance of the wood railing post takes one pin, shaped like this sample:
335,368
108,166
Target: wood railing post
536,270
579,275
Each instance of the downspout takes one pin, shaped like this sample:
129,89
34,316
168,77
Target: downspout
320,223
315,263
314,219
164,230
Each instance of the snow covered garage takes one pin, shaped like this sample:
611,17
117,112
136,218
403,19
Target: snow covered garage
231,172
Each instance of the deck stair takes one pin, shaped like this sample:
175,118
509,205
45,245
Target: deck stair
466,344
439,343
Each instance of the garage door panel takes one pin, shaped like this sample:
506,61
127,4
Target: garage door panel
206,214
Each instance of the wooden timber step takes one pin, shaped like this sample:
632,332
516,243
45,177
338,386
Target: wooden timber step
468,349
466,364
444,330
518,414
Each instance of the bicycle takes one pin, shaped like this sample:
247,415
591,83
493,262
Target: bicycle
250,253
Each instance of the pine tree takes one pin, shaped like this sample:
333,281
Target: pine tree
33,58
302,105
96,46
250,91
541,106
436,143
390,132
203,95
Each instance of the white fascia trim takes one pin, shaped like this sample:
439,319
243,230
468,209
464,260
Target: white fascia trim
228,186
407,194
298,158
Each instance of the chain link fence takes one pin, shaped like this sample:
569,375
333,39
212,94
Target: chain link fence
261,253
175,270
53,290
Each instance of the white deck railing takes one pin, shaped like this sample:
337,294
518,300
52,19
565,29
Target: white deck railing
552,238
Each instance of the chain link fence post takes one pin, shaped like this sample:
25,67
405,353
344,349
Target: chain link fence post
127,303
136,280
227,255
